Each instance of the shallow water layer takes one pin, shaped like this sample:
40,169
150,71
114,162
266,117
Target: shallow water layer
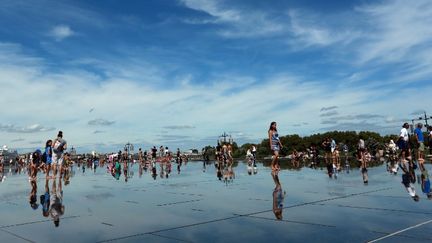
193,205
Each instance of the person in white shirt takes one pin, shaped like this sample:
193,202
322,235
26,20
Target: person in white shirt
403,141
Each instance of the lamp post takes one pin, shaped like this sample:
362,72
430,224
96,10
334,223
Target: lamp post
72,152
426,118
224,137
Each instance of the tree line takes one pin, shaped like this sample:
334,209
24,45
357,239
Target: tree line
373,142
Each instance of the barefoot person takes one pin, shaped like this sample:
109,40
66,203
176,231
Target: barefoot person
403,142
275,145
420,143
48,157
60,145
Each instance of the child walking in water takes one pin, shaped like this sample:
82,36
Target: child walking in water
275,146
48,157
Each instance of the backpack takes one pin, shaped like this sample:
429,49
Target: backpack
58,146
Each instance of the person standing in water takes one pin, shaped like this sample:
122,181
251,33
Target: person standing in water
275,145
361,149
60,145
420,143
403,142
254,150
48,157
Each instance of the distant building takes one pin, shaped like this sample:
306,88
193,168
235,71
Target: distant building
191,152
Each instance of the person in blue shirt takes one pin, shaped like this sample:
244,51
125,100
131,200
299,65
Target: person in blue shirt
420,142
48,157
45,199
425,182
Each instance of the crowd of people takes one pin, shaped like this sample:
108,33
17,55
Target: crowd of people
405,155
147,161
224,163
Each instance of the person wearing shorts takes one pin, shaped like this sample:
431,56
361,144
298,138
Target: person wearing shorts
275,145
403,142
48,157
60,145
420,142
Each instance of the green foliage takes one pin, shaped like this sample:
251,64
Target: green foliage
209,152
372,140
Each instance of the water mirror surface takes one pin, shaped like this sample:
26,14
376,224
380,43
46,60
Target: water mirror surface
194,205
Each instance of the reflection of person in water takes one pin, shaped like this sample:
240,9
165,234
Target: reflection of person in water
33,195
228,175
219,171
425,182
57,207
45,199
278,196
154,172
407,180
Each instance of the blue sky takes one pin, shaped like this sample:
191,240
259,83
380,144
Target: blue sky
181,72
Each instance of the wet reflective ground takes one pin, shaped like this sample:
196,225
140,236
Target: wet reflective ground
194,206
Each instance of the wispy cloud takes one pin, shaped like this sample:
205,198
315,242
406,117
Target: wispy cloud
208,79
179,127
417,112
310,30
329,108
17,140
37,142
325,122
61,32
239,23
353,117
398,30
27,129
100,122
329,113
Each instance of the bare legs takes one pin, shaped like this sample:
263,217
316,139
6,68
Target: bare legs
275,161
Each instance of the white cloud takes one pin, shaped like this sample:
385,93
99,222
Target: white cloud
214,9
329,113
397,28
100,122
328,108
131,95
27,129
308,29
179,127
60,32
238,23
